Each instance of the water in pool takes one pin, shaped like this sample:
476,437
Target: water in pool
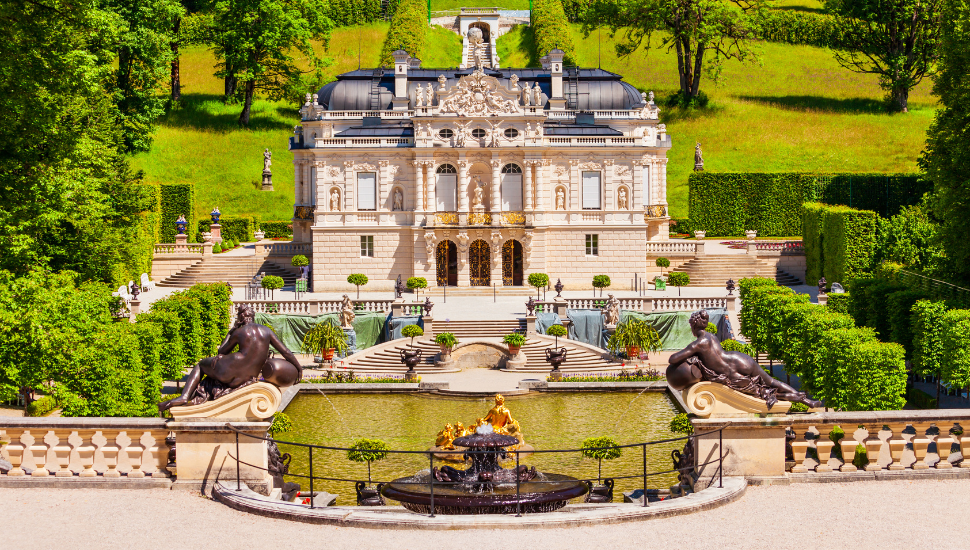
410,422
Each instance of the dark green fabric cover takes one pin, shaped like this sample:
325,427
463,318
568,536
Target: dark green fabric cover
292,328
674,329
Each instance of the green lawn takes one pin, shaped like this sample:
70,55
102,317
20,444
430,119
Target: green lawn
797,110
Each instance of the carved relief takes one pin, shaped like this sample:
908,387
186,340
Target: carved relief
527,242
621,171
392,171
590,166
382,163
462,239
477,95
429,243
365,167
333,171
496,239
561,170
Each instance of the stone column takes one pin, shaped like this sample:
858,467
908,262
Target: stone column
608,202
496,189
540,181
428,182
383,186
308,180
418,185
638,188
348,186
527,185
298,182
462,186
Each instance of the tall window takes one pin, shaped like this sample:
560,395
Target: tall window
592,245
366,191
446,188
511,188
591,191
313,186
366,246
646,185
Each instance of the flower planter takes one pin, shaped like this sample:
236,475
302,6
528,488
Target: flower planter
555,357
514,350
445,351
369,495
699,235
601,493
633,352
328,354
411,358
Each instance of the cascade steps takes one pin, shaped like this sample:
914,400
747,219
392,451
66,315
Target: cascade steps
235,270
715,270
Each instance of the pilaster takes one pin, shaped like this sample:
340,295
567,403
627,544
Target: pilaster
527,184
496,187
463,184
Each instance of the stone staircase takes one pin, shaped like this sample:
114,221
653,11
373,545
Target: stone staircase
715,270
468,54
235,270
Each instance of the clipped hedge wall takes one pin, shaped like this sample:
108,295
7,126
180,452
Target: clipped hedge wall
837,347
176,199
407,31
729,203
927,326
956,347
809,29
345,13
848,243
839,303
277,228
201,317
813,218
239,229
900,306
877,377
551,29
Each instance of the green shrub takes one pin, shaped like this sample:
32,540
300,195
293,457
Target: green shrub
771,336
900,307
839,303
513,339
407,32
538,280
417,282
745,287
678,279
276,229
910,238
272,282
813,216
662,263
346,13
755,310
877,377
300,260
171,355
837,349
601,281
445,339
236,229
928,331
216,248
919,399
367,450
878,312
176,199
849,243
41,407
551,29
806,324
861,458
281,424
323,336
601,448
412,332
859,307
956,348
734,345
798,408
681,424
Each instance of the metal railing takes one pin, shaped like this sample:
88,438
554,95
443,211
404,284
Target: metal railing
432,482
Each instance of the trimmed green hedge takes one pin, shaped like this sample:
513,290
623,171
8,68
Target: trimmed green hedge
801,28
877,377
407,32
900,306
176,199
839,303
956,347
927,326
277,228
729,203
551,29
805,324
345,13
235,228
813,220
848,242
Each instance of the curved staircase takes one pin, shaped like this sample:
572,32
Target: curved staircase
235,270
716,269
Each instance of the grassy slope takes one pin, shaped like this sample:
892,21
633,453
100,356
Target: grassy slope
798,111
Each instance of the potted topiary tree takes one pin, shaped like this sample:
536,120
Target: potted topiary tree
358,280
447,342
678,279
634,336
662,263
368,450
514,341
415,284
538,280
324,339
411,357
601,448
556,356
601,282
271,283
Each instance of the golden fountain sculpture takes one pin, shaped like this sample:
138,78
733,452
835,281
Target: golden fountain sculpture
499,416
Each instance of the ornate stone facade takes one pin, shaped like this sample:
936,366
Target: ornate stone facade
479,176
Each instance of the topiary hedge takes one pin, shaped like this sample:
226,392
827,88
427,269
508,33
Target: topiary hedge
407,32
813,219
238,229
729,203
876,372
176,199
345,13
927,327
277,229
956,348
900,308
849,242
551,29
801,28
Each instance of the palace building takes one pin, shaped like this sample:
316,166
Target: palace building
479,176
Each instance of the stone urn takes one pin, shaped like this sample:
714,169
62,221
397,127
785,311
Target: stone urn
369,496
751,234
699,235
599,494
445,352
411,358
555,357
514,350
259,235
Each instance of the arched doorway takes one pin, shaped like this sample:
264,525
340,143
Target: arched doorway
512,263
480,260
446,263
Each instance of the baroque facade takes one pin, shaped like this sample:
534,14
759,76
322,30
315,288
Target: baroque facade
479,176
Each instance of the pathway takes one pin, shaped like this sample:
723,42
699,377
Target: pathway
886,515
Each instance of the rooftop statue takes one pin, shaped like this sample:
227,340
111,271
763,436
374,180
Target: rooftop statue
231,370
705,360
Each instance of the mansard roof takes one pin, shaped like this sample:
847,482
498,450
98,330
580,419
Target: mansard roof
373,89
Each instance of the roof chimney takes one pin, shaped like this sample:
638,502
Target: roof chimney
557,102
401,62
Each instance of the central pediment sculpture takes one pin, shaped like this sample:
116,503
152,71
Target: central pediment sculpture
479,95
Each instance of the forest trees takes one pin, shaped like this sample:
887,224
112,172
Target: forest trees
256,42
894,39
704,33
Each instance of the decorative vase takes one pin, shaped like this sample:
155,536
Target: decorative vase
369,495
751,234
514,350
445,351
328,354
633,352
699,235
599,494
411,358
555,357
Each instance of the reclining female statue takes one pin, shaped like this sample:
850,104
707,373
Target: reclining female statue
705,359
230,370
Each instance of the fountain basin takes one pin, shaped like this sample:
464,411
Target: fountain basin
549,495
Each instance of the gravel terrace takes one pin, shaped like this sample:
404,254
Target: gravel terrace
884,515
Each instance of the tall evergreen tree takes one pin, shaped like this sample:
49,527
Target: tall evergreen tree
947,155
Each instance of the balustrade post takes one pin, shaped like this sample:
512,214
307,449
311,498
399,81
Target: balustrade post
38,451
944,443
921,442
85,454
824,446
897,444
648,304
16,452
873,445
110,452
62,452
849,444
799,452
965,449
136,455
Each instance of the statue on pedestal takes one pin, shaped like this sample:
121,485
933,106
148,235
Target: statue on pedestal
612,311
229,370
347,315
698,158
705,360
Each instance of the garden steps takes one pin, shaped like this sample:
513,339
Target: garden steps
235,270
715,270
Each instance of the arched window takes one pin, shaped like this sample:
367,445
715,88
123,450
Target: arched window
446,169
446,188
511,169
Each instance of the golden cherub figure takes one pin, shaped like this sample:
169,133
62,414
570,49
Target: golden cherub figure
500,418
446,438
460,430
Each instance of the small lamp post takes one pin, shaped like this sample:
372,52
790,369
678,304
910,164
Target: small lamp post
730,287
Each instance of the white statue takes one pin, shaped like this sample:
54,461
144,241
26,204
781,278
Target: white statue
560,199
537,95
526,95
514,82
479,192
398,200
612,311
621,201
429,95
347,313
539,130
267,160
441,81
419,96
334,200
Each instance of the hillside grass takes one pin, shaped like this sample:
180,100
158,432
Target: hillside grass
796,111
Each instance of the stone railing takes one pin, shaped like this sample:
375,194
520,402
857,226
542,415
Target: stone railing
785,248
446,218
654,211
270,248
170,248
311,307
685,248
479,11
895,441
651,304
363,142
86,448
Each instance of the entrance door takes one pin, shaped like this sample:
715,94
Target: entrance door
512,263
446,263
480,258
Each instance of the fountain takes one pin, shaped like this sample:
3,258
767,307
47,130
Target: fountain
485,487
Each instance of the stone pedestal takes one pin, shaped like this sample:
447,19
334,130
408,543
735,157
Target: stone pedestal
351,342
713,400
428,322
267,180
215,231
180,242
517,362
134,308
530,325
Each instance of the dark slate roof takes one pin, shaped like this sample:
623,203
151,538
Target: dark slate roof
580,130
373,89
384,130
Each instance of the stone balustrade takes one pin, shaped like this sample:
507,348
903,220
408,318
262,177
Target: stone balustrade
649,304
895,441
783,248
103,448
174,248
311,307
671,248
270,248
